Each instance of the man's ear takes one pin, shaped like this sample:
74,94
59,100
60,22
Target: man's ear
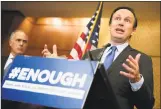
134,29
109,27
10,42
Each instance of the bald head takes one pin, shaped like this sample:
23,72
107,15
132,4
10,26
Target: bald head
18,42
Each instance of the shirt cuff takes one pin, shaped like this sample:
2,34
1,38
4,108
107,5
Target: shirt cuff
136,86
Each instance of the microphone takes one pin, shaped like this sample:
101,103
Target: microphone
90,58
107,45
104,48
100,56
89,55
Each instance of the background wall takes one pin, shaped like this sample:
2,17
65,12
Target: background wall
146,38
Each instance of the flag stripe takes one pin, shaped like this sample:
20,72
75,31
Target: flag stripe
81,43
88,40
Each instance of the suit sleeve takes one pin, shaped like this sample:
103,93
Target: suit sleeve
143,98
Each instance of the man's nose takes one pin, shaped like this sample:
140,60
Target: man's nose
21,42
121,23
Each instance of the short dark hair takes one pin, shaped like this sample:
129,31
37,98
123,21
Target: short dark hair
128,8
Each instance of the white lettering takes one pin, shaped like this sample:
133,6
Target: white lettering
23,73
64,78
32,74
67,78
47,75
81,81
52,77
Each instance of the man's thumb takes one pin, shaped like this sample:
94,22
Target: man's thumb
45,46
137,58
54,49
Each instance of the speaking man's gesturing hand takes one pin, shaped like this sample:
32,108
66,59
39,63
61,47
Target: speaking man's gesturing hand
132,68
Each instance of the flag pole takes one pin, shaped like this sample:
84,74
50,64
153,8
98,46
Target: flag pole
100,6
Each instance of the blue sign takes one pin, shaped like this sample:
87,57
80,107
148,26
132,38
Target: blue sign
51,82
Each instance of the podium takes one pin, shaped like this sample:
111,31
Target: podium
58,83
101,94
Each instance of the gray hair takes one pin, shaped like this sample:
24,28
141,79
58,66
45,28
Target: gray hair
13,33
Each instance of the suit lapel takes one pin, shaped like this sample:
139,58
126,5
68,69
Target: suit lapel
97,54
3,61
120,59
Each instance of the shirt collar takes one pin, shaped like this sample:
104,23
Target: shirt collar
121,46
11,56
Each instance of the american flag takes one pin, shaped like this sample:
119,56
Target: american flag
88,40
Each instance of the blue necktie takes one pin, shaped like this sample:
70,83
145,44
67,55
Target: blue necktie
109,58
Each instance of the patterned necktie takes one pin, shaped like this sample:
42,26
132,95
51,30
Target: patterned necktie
109,58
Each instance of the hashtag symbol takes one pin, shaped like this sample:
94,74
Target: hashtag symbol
14,72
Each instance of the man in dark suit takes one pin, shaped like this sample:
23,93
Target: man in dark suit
128,70
131,73
18,43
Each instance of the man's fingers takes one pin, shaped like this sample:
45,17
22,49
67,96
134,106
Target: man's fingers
137,58
132,59
128,75
55,50
45,50
130,70
131,64
46,54
45,46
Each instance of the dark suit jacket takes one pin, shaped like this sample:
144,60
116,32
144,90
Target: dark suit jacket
6,104
142,99
3,62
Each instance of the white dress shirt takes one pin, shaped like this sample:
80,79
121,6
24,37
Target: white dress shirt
134,86
9,60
